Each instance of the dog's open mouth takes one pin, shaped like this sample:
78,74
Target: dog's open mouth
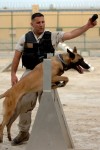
79,69
80,65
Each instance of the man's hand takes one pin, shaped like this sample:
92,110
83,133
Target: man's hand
14,79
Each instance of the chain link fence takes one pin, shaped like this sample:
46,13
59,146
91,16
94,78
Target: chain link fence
17,22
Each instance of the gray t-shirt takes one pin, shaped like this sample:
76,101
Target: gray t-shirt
56,37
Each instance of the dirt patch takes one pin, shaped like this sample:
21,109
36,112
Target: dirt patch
81,104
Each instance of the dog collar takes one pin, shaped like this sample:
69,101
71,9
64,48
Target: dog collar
65,65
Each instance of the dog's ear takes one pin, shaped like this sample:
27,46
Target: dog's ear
71,54
74,50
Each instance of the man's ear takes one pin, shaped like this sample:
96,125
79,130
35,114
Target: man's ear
74,50
71,54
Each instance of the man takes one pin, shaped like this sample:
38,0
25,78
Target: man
40,43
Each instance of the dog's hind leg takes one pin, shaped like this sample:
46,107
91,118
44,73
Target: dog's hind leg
12,119
2,125
9,106
1,134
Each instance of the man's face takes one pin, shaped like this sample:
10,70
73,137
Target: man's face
38,25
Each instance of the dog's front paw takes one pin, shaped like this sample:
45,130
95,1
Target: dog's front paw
61,84
58,84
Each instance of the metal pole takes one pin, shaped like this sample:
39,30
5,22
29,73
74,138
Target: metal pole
12,31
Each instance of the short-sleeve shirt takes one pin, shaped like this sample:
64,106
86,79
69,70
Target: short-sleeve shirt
56,37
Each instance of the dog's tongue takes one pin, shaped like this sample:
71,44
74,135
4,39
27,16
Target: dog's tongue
79,69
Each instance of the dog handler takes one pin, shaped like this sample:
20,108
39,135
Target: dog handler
33,47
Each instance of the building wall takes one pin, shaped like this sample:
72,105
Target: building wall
15,24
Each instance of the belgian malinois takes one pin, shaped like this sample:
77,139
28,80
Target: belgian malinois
34,82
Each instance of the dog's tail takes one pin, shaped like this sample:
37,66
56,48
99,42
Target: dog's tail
4,94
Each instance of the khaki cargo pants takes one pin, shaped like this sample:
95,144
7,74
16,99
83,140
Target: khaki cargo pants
27,104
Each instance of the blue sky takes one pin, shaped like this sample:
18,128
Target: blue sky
46,3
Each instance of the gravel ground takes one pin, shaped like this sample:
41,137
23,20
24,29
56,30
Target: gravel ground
80,101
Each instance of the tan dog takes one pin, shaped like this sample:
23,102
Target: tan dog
34,82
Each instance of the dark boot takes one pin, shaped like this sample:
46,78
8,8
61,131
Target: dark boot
20,138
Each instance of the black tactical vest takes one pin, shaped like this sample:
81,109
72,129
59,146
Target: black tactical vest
34,52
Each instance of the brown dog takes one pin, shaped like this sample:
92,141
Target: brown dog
34,82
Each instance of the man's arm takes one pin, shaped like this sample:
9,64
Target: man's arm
77,32
14,67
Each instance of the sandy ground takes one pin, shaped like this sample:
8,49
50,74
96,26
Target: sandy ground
81,104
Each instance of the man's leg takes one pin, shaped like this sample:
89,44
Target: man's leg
28,103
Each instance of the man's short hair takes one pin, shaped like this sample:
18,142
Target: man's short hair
36,15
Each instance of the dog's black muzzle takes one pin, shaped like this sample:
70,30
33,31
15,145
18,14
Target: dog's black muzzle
80,65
